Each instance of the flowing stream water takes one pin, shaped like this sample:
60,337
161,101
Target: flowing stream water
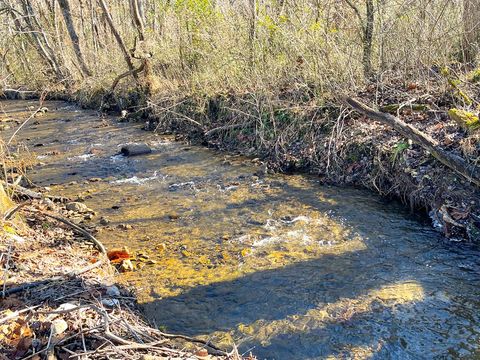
276,264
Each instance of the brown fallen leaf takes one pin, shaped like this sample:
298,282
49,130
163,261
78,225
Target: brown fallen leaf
118,255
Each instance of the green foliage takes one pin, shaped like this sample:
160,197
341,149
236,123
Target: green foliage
474,77
467,120
398,149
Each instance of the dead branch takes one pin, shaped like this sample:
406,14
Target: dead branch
133,72
68,275
82,231
33,194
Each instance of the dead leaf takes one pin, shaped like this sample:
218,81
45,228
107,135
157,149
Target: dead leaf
118,255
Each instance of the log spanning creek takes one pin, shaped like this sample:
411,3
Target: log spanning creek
275,264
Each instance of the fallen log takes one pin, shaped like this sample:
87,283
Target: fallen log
135,149
452,161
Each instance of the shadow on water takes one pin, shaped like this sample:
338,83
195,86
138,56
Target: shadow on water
315,308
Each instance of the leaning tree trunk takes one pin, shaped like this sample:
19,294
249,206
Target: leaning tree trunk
67,16
33,39
469,171
38,32
118,38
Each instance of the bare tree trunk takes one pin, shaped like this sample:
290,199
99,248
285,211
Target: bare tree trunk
368,38
471,30
39,38
136,7
367,25
67,16
252,35
137,15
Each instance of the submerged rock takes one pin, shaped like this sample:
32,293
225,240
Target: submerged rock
125,226
104,221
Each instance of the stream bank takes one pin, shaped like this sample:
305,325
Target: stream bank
293,132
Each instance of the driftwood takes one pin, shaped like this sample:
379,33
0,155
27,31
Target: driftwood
452,161
135,149
133,72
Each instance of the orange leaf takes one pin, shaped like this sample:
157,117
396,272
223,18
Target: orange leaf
118,255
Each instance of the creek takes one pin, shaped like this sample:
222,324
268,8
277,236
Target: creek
276,264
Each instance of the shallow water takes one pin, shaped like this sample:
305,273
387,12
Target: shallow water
277,264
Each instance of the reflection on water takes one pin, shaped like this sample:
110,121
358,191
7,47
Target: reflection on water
277,264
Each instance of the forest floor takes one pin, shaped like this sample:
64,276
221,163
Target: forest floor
59,299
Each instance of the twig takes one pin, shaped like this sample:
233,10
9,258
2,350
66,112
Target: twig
10,213
189,339
55,278
17,313
24,123
177,114
84,232
33,194
7,268
59,342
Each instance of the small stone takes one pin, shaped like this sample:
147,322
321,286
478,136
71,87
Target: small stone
95,179
161,247
66,306
173,216
113,291
153,357
77,207
202,353
126,266
58,327
88,217
110,302
125,226
104,221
